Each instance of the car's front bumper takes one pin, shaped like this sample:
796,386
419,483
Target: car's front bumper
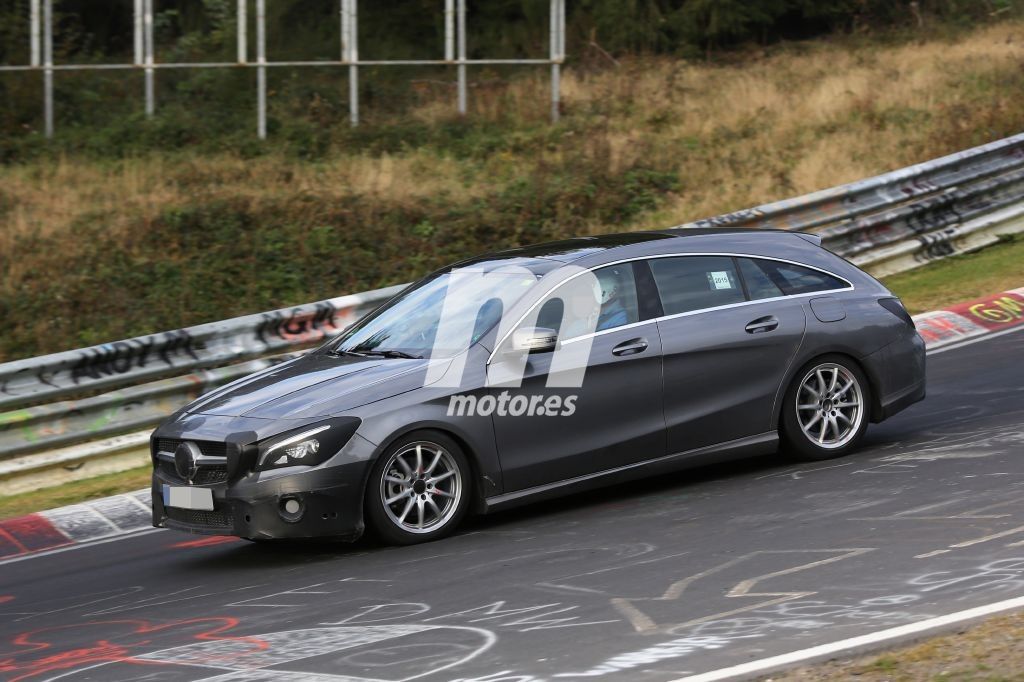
252,505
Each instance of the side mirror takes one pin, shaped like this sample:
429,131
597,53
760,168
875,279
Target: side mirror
534,339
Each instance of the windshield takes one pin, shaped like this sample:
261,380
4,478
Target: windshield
443,316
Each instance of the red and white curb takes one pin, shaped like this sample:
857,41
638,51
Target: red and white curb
964,321
107,518
87,522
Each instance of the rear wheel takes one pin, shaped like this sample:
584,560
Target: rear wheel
419,489
825,410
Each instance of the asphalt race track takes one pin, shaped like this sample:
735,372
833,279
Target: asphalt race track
652,581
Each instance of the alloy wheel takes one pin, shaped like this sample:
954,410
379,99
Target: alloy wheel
829,406
421,487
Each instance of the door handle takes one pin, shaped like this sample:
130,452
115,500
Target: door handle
762,324
631,347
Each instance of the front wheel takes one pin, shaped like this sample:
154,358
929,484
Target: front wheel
825,410
419,489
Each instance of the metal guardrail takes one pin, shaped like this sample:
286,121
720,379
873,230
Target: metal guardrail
131,361
896,221
885,224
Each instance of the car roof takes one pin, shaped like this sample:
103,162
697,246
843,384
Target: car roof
568,250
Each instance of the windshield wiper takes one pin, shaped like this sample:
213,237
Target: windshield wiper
391,354
337,352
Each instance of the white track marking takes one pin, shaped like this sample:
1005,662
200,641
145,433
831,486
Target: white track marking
862,641
994,536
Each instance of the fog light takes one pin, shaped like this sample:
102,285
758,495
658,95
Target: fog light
291,509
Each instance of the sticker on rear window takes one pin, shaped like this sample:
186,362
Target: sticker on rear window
719,280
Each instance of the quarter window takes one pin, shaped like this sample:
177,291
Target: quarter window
695,282
759,284
767,278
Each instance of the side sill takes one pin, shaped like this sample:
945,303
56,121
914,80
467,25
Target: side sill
761,444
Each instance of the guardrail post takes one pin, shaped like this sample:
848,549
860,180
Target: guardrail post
261,70
462,57
48,68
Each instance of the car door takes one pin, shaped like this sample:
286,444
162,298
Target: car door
725,355
613,419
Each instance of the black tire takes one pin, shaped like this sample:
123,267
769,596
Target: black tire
450,497
850,423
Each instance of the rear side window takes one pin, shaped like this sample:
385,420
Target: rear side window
767,278
691,283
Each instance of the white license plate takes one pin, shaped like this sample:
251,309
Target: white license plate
184,497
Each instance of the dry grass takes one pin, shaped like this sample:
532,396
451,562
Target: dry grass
796,120
768,125
990,651
47,200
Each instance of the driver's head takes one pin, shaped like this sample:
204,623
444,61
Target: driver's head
607,286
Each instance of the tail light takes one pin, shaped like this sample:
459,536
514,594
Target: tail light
895,306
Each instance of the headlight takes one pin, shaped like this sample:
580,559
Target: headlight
308,446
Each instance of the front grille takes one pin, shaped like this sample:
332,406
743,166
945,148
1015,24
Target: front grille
197,517
210,448
207,474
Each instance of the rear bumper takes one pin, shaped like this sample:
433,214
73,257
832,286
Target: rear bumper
898,375
914,394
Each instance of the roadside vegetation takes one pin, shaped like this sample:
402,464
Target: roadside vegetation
74,492
962,278
990,651
103,240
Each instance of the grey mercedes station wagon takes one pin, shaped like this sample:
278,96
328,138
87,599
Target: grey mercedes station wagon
540,371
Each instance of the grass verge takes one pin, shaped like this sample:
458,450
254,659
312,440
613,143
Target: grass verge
962,278
992,651
72,493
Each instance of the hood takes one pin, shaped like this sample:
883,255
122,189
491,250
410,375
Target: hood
314,385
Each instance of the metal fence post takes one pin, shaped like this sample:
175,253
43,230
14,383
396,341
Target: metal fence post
462,57
353,58
137,32
144,54
449,30
33,32
261,69
243,28
48,68
557,41
343,9
147,22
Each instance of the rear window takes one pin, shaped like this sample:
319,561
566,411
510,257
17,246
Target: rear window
767,278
